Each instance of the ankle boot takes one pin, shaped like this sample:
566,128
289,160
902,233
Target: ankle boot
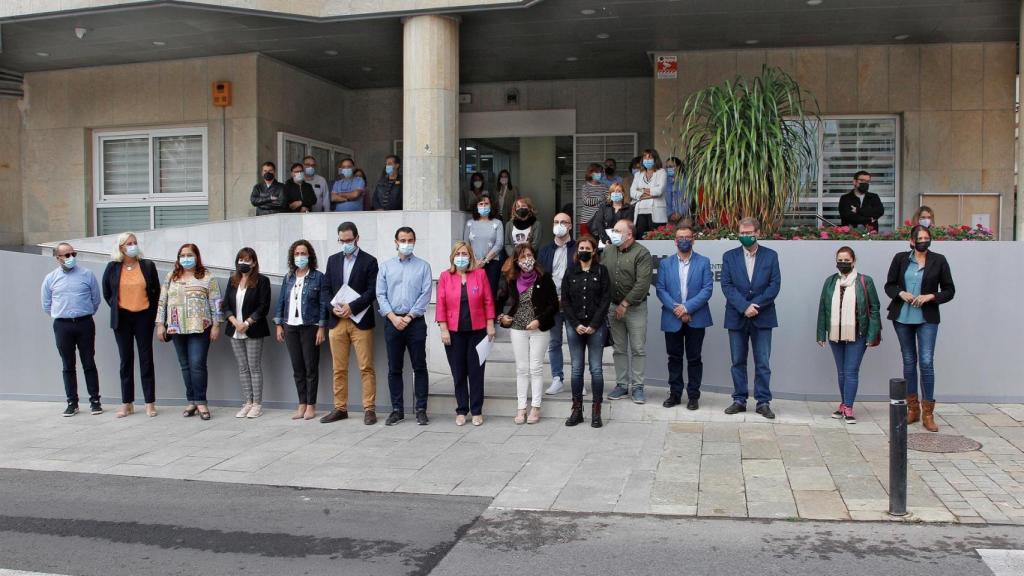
576,416
928,416
595,415
913,409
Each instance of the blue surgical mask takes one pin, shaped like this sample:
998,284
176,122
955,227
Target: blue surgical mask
345,172
684,245
670,171
309,170
596,176
389,169
406,249
484,210
70,262
462,262
348,247
615,237
301,262
132,250
648,163
616,196
187,262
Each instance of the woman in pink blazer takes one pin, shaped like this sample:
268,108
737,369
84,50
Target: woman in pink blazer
465,312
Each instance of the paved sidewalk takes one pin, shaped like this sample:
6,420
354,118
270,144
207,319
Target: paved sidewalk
647,459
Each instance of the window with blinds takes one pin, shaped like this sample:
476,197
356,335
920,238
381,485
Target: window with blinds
596,148
842,146
292,148
146,179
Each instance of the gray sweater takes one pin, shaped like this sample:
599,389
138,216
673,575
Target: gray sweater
485,237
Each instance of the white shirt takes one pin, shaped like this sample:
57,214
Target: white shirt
750,258
558,265
684,275
239,300
349,262
655,206
322,191
295,303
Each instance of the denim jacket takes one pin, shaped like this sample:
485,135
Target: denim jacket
316,299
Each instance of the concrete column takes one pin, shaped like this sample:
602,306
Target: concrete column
430,119
1019,194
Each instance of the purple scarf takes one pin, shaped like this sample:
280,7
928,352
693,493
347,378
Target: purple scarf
525,280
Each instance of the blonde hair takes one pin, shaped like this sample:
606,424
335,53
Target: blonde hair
116,255
451,257
618,186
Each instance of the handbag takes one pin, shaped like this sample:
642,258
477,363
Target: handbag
867,303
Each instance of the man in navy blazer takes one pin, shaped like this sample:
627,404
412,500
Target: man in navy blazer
358,270
751,281
555,258
684,286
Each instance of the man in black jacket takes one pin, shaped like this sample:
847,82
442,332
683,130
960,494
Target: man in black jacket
358,270
268,197
858,207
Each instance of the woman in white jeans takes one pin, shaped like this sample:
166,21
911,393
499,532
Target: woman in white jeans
532,304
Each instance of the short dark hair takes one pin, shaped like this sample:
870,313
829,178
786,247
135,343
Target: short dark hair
393,157
350,227
612,160
269,163
917,230
296,165
861,173
309,157
849,251
407,230
309,248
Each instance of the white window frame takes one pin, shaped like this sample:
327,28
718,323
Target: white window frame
335,149
153,198
821,201
579,172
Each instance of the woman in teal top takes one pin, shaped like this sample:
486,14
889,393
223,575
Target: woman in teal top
918,282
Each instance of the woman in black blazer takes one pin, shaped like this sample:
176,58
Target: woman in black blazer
131,287
246,305
532,304
918,282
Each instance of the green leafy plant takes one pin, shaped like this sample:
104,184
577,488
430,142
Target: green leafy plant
743,147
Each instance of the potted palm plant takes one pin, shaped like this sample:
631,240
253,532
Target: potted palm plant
744,148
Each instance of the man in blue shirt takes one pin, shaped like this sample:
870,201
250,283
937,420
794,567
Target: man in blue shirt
403,292
609,176
347,193
71,295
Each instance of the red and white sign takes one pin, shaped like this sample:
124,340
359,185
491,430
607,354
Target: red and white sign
667,67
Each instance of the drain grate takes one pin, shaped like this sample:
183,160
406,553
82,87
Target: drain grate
942,443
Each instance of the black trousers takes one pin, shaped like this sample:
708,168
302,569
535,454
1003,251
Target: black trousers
467,372
644,224
413,339
80,333
689,341
137,328
305,356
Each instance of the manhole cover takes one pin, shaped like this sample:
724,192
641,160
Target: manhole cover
931,442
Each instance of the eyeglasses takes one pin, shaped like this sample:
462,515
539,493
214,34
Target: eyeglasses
71,254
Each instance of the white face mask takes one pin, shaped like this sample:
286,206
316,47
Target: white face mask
560,230
298,177
504,181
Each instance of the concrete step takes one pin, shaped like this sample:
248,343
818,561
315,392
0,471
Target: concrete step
502,352
500,396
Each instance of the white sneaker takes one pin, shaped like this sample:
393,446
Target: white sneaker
244,411
255,412
556,386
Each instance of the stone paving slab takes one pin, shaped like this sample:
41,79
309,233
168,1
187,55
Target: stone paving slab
646,460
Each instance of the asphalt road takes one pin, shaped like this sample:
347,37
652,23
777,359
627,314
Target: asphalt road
88,524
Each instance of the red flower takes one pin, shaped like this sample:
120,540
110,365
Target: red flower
906,222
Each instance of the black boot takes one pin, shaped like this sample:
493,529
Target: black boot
576,416
595,415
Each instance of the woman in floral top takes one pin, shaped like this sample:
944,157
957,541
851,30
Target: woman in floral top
190,314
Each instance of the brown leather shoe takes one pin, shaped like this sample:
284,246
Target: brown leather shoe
334,416
369,417
913,409
928,416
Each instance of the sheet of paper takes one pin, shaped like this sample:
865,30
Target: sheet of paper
346,295
483,349
983,219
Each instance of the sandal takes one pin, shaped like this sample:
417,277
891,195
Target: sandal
204,414
190,411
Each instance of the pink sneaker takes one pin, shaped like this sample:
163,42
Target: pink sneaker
848,416
840,412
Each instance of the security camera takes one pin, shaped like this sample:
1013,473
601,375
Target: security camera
80,32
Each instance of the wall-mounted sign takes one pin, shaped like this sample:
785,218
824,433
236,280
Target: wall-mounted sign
667,67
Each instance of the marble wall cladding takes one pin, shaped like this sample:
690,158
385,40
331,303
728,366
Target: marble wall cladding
11,226
956,103
271,236
62,109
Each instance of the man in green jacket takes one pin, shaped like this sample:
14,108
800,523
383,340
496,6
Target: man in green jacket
630,268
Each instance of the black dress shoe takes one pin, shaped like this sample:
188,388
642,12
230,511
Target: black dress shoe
766,411
672,400
394,418
334,416
692,404
736,408
369,417
421,418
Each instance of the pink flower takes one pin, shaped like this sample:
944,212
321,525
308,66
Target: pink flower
824,235
796,238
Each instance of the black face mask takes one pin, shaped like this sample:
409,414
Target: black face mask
244,268
585,256
844,267
268,176
522,212
609,170
923,245
863,187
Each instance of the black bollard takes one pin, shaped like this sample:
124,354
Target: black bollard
898,447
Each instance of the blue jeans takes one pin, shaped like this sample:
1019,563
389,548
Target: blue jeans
592,345
192,351
918,352
555,347
760,339
413,339
688,341
848,356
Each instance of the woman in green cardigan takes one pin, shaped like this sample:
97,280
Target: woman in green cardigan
849,325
